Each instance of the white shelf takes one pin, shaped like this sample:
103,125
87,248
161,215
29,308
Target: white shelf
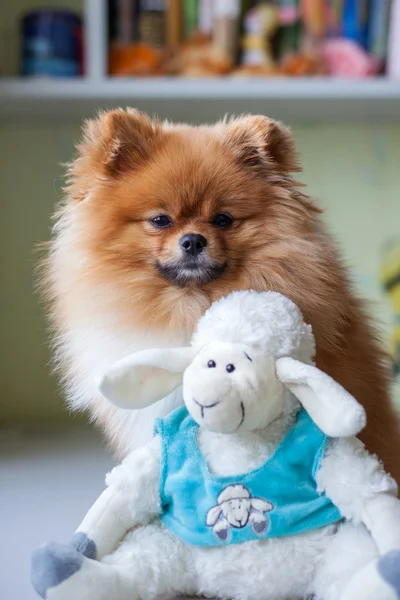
301,100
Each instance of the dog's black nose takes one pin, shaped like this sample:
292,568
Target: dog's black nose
193,243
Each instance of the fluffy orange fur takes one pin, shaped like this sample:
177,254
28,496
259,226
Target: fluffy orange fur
102,263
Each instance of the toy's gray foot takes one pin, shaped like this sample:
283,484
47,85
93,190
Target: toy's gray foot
83,544
52,564
378,580
389,569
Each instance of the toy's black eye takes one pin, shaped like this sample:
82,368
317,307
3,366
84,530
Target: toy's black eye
161,221
222,220
230,368
211,364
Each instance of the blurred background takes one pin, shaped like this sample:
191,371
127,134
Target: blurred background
328,68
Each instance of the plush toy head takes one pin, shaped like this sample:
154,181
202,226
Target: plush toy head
249,350
230,386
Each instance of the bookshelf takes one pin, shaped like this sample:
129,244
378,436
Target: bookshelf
325,100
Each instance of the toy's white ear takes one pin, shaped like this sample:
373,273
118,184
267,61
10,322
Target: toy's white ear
144,377
330,406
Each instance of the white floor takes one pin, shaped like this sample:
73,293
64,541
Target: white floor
48,480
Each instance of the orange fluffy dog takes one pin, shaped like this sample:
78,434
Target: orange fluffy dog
160,220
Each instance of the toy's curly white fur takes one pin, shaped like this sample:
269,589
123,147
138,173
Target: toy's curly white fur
138,558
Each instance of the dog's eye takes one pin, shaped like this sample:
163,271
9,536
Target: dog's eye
211,364
230,368
161,221
222,220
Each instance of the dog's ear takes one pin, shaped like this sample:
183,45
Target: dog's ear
122,139
112,144
115,142
259,141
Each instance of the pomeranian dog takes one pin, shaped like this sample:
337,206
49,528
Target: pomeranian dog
159,221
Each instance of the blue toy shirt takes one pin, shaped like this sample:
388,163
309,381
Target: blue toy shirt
277,499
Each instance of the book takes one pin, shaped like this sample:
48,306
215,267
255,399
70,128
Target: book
226,27
393,58
174,23
152,22
206,16
287,39
123,21
334,12
126,20
112,20
364,21
136,19
313,15
190,16
355,20
378,34
314,23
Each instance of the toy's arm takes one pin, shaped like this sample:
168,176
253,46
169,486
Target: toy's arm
381,516
358,485
131,498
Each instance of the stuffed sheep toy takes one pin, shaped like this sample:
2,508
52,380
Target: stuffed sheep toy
255,488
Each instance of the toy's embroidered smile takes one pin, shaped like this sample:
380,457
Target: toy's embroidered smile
203,406
243,415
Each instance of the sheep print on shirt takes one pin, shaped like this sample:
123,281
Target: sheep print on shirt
277,499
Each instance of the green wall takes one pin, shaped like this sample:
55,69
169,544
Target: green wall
354,172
